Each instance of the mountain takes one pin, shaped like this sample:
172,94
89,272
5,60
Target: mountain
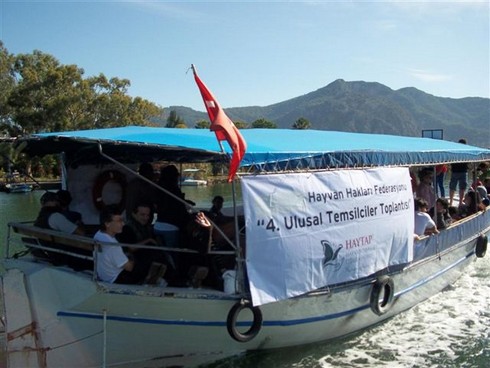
369,107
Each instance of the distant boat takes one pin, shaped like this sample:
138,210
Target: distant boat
189,178
18,187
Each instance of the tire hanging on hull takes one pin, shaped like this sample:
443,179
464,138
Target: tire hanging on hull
481,246
231,321
382,294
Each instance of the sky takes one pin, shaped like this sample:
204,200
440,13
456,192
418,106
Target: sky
257,53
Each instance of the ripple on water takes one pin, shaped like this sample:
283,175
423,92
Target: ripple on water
450,330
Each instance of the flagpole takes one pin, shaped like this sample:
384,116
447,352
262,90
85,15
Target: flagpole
239,256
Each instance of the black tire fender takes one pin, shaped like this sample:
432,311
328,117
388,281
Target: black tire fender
231,321
481,246
383,287
101,181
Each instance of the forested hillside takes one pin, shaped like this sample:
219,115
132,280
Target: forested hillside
371,108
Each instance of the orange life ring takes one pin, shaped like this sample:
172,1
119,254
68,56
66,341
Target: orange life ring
100,183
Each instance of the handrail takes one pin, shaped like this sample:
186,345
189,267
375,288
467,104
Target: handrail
87,243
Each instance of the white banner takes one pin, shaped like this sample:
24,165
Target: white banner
306,231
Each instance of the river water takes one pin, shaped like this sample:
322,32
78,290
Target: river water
450,330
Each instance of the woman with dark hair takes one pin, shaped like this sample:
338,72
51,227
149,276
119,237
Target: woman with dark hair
443,218
471,204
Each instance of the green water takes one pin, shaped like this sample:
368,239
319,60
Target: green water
18,207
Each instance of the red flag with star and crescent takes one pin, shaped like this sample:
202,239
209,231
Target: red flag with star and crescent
223,127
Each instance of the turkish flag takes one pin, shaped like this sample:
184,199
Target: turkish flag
223,127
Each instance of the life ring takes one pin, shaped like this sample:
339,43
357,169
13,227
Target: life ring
481,246
231,321
385,287
100,183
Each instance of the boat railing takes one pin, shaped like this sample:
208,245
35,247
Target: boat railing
33,237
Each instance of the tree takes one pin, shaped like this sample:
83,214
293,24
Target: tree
240,124
175,121
202,124
44,90
7,84
302,123
49,96
263,124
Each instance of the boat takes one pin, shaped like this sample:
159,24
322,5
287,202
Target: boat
327,249
188,178
14,185
18,187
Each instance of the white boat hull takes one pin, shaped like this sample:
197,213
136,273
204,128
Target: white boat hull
193,183
59,318
18,188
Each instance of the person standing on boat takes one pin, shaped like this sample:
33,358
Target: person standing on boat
112,264
425,189
441,171
459,176
140,191
170,209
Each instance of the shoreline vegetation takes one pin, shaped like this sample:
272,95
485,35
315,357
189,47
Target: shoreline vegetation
55,183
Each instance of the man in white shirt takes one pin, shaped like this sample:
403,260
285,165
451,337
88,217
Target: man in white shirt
112,264
424,225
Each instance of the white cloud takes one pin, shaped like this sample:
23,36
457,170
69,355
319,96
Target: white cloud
430,77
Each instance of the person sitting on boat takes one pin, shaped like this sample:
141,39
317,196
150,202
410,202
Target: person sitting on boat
443,219
140,191
225,223
485,200
215,211
113,265
471,204
454,213
65,199
424,225
425,189
51,217
486,184
138,229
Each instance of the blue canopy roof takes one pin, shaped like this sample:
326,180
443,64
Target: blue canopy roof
267,149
